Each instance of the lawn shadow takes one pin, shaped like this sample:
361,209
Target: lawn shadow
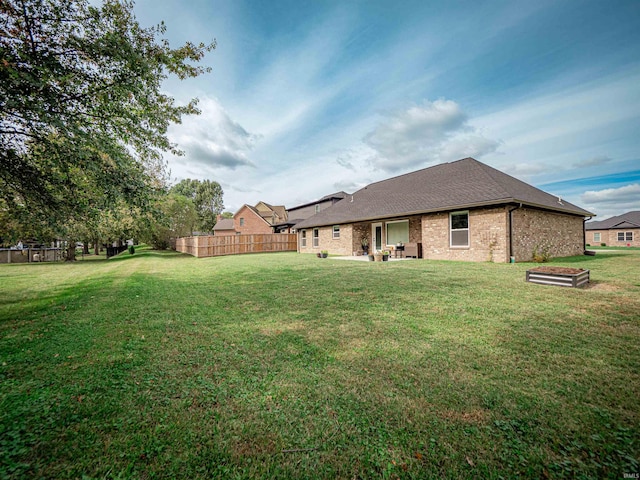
172,254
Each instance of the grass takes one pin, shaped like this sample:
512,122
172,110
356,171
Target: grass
159,365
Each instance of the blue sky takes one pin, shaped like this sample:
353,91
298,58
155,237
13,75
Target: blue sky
308,98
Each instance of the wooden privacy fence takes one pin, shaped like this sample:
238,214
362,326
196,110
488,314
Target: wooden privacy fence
213,246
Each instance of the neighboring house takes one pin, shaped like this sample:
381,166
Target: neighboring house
224,226
304,211
258,219
621,230
463,210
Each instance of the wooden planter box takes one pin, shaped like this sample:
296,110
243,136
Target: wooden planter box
560,276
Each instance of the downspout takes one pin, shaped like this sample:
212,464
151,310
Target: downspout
584,233
511,232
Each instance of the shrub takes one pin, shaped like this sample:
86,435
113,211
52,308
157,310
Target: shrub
132,250
588,244
603,244
541,254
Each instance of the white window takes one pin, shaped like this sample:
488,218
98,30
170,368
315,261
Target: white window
336,231
397,232
316,237
596,237
459,229
303,238
317,208
625,236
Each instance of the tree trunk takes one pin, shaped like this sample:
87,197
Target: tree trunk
71,252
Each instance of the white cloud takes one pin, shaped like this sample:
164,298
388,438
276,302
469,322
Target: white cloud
425,134
593,161
623,197
525,170
212,139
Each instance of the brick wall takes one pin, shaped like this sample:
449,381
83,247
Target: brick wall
488,237
558,233
253,223
335,246
222,233
610,237
361,230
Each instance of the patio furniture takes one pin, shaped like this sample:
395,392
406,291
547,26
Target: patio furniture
413,250
398,250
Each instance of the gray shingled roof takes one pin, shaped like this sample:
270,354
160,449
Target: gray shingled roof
449,186
338,195
224,224
626,220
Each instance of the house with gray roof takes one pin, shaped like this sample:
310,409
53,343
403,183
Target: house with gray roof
224,226
621,230
301,212
462,210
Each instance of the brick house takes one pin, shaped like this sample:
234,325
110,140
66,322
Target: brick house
623,230
224,226
252,220
463,210
306,210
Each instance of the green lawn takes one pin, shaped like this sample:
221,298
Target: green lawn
160,365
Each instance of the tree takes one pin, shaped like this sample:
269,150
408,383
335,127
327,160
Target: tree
186,188
207,197
175,216
209,204
83,120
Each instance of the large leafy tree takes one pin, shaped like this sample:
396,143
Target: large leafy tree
175,216
206,195
83,121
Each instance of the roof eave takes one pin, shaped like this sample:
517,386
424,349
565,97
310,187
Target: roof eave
449,208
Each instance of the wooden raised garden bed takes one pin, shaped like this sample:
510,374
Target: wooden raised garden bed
561,276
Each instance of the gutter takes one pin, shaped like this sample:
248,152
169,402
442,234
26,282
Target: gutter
584,233
445,208
511,256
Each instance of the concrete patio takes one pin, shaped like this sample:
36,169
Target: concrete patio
365,258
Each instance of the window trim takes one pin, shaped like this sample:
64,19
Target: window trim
374,245
386,230
626,236
599,238
336,228
451,230
316,237
242,221
303,238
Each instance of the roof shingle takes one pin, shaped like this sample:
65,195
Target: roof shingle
449,186
626,220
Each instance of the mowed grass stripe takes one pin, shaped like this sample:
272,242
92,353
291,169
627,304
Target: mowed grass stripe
284,365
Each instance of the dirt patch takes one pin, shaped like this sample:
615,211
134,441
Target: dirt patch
606,287
478,416
557,270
